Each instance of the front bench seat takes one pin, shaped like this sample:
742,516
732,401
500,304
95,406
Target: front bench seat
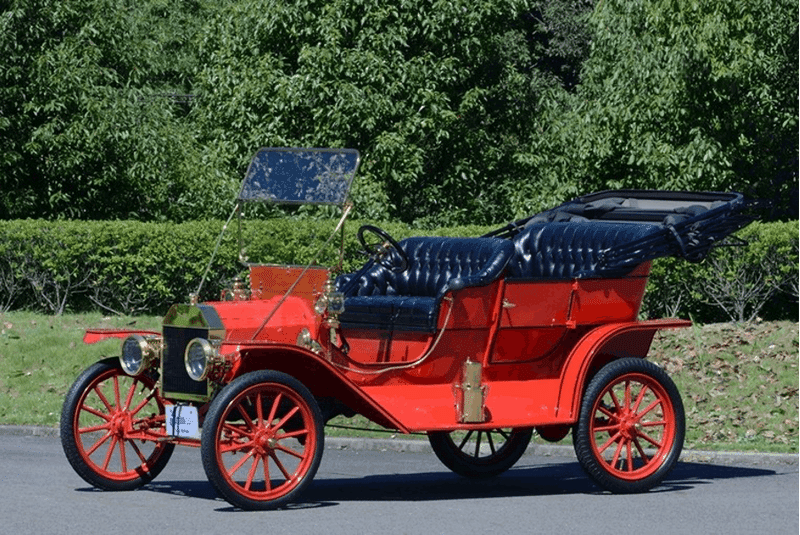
409,301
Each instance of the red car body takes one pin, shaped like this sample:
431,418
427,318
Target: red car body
475,341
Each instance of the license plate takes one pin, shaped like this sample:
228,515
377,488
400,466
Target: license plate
182,421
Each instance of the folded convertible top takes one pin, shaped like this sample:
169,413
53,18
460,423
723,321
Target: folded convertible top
679,223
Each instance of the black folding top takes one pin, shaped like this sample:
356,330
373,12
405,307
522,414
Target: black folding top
674,223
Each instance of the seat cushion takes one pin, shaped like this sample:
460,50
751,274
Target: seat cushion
410,300
566,250
391,312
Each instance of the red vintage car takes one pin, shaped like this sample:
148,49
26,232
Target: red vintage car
477,342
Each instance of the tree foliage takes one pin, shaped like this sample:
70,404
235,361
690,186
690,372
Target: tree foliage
436,95
463,111
678,94
83,133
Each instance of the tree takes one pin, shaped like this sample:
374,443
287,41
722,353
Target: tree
81,134
682,95
437,96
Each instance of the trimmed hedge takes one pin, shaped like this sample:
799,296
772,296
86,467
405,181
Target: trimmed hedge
131,267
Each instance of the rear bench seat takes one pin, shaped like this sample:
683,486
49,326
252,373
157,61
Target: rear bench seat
409,301
567,250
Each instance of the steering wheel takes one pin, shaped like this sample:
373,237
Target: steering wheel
386,252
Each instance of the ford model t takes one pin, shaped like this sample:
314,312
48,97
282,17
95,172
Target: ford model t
477,342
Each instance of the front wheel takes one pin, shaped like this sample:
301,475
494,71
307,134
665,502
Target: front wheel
112,428
262,440
480,453
631,426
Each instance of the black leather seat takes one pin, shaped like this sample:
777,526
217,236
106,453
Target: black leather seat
567,250
409,301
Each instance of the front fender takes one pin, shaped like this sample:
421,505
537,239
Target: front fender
92,336
600,345
321,377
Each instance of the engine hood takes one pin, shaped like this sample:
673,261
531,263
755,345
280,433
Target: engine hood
241,320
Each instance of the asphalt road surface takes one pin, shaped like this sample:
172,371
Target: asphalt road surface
386,492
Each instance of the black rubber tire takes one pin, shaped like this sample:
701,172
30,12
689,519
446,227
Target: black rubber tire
474,465
605,421
81,459
224,410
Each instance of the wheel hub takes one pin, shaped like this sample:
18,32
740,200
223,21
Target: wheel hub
264,441
120,423
629,425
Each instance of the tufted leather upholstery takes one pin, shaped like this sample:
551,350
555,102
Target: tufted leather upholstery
566,250
410,300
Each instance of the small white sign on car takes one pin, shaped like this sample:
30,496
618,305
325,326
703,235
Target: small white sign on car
182,421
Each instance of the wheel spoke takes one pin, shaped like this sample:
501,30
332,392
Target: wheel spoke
640,398
94,428
95,412
110,451
252,472
274,409
478,445
131,392
289,451
233,445
116,391
639,448
138,452
627,394
123,459
491,442
464,442
98,444
287,417
649,408
605,410
280,466
99,392
142,404
606,428
616,453
293,434
608,443
267,479
615,400
240,463
649,439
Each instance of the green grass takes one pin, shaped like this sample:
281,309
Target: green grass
40,357
739,383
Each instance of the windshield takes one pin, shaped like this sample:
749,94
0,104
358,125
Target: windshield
300,176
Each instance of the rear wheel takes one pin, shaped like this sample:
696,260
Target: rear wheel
480,453
631,426
262,440
111,428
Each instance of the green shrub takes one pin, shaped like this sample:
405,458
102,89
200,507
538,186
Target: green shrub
129,267
733,283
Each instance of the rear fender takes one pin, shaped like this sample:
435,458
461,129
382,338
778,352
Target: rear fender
92,336
322,378
600,346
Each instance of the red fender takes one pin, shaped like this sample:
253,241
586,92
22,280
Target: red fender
616,340
321,377
92,336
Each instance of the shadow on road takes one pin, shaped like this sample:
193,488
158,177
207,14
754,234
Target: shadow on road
535,480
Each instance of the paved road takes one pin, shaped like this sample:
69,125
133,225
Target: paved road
389,492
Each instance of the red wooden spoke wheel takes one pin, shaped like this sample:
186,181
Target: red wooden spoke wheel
480,453
631,427
262,440
111,424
